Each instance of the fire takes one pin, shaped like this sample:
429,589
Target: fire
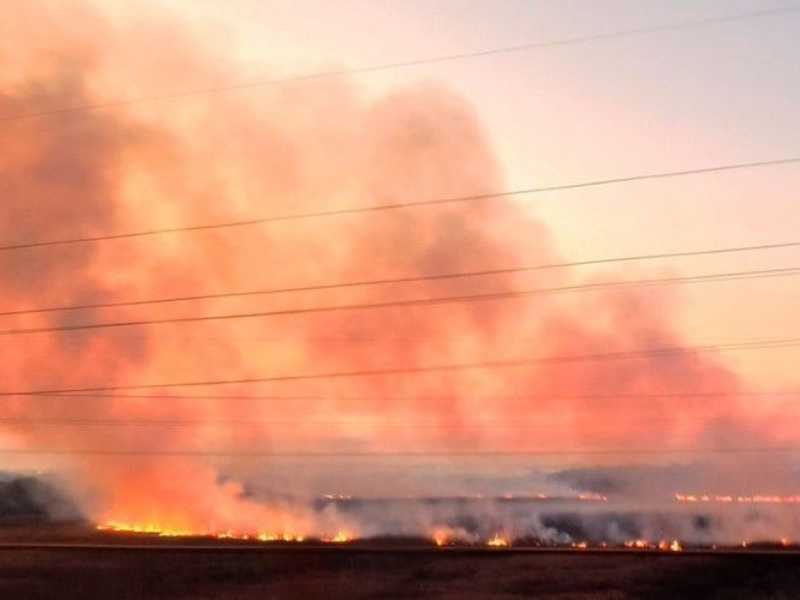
498,542
592,497
340,538
149,529
440,538
673,546
723,499
279,537
663,545
161,531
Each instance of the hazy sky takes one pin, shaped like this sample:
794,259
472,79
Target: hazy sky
707,95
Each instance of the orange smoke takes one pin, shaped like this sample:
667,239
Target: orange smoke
286,149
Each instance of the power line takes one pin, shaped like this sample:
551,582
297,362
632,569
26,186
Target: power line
401,454
338,398
669,351
785,10
406,279
374,423
400,205
717,277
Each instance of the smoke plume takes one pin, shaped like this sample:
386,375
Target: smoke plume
297,147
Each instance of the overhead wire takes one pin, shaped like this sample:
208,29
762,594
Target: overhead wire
675,26
412,279
460,298
667,351
401,205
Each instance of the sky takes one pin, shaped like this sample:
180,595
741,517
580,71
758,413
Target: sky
716,94
657,102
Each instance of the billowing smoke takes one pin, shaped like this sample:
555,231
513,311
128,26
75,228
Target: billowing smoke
294,148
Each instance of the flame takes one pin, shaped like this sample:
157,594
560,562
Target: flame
161,531
498,542
592,497
663,545
720,499
340,538
441,538
673,546
279,537
149,529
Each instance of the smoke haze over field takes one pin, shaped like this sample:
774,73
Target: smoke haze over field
295,148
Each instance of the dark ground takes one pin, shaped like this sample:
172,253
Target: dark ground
144,573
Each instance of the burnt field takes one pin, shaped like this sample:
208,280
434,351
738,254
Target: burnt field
130,572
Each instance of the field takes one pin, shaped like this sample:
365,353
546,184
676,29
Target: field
225,572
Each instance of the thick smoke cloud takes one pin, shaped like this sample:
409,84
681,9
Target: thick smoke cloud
286,149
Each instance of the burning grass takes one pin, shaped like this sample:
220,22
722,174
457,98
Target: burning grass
439,538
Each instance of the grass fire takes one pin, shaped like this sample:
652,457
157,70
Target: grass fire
399,299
